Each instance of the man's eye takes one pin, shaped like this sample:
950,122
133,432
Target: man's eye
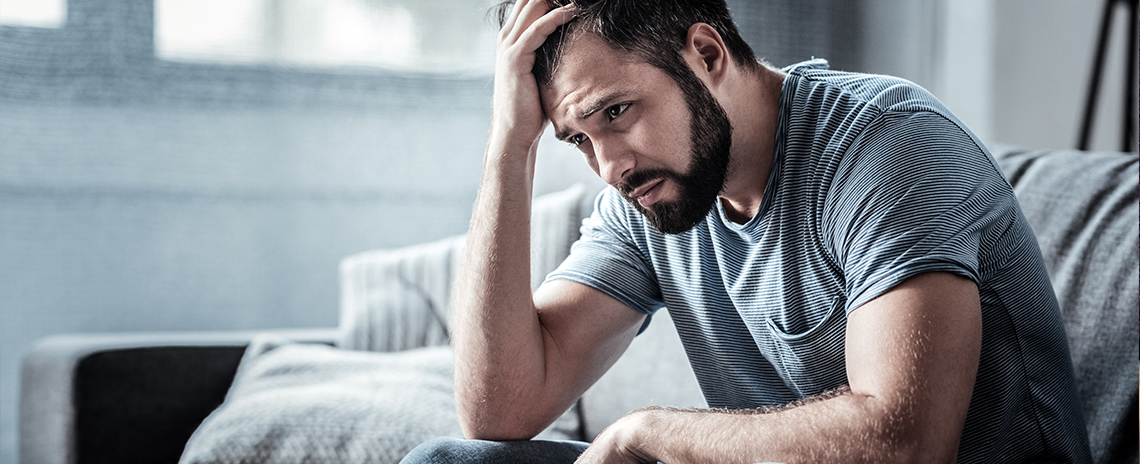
576,140
614,111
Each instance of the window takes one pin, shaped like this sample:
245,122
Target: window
33,13
446,36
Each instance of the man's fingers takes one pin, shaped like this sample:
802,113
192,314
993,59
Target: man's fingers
541,28
528,14
516,106
512,18
529,10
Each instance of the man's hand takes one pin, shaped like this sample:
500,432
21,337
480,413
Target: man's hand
517,117
617,443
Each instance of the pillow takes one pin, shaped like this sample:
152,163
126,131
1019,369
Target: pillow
314,403
293,403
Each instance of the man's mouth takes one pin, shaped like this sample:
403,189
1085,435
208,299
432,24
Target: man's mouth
648,193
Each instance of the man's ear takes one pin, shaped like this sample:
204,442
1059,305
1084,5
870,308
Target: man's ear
706,53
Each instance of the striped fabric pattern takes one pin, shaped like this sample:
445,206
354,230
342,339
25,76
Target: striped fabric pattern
873,181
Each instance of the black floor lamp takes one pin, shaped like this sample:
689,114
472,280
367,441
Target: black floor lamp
1128,143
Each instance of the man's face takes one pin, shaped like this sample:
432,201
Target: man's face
663,144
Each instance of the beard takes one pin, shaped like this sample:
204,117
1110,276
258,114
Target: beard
710,135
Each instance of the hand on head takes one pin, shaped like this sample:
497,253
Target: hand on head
517,116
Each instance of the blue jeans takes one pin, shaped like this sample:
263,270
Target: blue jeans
451,450
448,450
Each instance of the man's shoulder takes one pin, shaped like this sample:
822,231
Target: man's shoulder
833,112
813,83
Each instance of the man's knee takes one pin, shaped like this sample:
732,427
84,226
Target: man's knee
448,450
437,451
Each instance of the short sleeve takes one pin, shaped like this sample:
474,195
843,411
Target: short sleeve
609,256
914,193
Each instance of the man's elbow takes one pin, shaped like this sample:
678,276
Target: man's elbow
916,451
886,444
498,426
495,433
899,433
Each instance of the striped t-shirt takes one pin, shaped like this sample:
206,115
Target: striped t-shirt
873,181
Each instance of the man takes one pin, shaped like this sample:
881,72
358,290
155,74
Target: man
849,271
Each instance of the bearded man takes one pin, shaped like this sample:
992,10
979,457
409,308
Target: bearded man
849,271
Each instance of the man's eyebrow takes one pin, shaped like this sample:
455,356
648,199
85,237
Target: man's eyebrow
592,107
561,134
601,102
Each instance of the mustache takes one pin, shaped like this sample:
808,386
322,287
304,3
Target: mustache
639,178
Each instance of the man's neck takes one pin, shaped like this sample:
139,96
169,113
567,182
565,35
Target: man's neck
753,107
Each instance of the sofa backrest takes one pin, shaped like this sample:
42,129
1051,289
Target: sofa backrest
654,371
1083,207
399,299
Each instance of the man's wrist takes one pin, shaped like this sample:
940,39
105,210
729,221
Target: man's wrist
511,143
510,153
643,428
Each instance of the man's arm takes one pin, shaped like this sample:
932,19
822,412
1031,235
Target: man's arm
522,359
912,357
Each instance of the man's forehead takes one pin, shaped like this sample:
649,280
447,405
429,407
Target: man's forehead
588,71
585,48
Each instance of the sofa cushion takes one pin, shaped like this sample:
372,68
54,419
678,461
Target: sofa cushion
314,403
398,299
1083,207
293,403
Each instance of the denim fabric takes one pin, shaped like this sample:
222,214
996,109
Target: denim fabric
448,450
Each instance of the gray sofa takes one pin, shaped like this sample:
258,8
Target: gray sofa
372,388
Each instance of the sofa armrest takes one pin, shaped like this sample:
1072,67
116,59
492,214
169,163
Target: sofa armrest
127,397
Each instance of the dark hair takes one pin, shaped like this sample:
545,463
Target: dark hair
653,30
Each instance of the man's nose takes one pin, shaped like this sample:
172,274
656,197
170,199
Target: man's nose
615,161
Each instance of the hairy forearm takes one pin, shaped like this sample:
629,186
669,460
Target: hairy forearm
838,427
501,367
495,328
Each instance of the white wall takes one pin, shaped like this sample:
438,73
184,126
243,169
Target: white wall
1015,71
1043,58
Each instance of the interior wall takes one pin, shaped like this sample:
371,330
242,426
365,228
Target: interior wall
1015,71
785,32
1043,56
899,38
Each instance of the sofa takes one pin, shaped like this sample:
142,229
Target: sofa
380,383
